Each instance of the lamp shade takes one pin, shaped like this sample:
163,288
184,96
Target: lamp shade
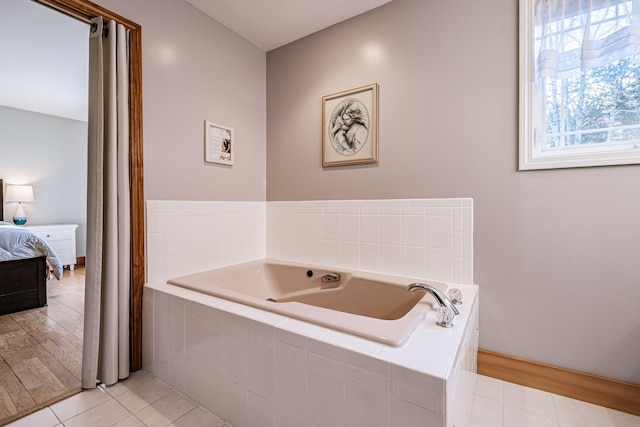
19,193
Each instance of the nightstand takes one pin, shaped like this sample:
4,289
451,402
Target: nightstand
61,238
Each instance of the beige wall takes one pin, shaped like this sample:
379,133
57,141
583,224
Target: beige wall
556,252
49,153
195,69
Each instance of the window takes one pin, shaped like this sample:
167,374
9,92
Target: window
579,83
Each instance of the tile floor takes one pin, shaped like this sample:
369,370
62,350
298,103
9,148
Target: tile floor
142,401
41,349
502,404
138,401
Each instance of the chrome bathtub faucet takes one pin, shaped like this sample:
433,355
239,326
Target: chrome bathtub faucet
443,301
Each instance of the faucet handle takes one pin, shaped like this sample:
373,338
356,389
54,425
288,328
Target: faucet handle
455,295
445,317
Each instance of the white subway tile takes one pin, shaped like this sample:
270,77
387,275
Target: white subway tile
350,211
370,257
413,211
439,211
365,362
290,389
439,264
457,220
370,211
424,203
370,229
414,261
391,211
449,203
414,230
418,389
236,403
332,254
366,398
261,370
350,255
176,333
331,227
439,232
391,229
391,259
326,396
458,270
285,418
350,228
406,414
458,251
261,412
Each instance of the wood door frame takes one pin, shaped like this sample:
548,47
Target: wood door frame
85,10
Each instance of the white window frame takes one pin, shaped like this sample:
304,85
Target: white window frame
532,158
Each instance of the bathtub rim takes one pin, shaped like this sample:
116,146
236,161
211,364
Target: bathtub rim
438,347
394,333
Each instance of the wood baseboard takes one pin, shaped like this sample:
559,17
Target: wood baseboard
601,391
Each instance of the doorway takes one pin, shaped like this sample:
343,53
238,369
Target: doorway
84,11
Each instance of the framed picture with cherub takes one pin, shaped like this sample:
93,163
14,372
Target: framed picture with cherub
218,143
350,127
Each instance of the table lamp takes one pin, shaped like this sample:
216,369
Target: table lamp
20,194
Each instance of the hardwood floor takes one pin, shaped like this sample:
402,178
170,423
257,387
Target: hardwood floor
41,349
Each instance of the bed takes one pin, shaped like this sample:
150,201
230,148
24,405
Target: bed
25,262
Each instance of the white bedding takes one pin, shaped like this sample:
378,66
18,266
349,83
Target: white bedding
20,243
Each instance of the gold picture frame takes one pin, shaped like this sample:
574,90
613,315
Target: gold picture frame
350,127
218,143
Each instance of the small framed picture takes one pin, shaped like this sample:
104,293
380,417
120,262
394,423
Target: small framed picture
218,143
350,127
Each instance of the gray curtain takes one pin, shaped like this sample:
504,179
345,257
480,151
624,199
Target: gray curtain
105,351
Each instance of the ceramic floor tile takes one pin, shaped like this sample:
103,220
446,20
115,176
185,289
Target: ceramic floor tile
518,417
486,411
79,403
530,399
130,421
165,410
573,412
490,387
42,418
135,379
103,415
143,395
622,419
198,417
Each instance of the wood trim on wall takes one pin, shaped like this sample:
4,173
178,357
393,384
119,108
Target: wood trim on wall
601,391
85,10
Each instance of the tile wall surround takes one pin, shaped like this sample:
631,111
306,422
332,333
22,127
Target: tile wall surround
422,238
255,368
188,236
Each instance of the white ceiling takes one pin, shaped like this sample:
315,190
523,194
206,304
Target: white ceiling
44,65
44,60
269,24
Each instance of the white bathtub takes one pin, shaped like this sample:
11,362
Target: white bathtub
373,306
257,368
